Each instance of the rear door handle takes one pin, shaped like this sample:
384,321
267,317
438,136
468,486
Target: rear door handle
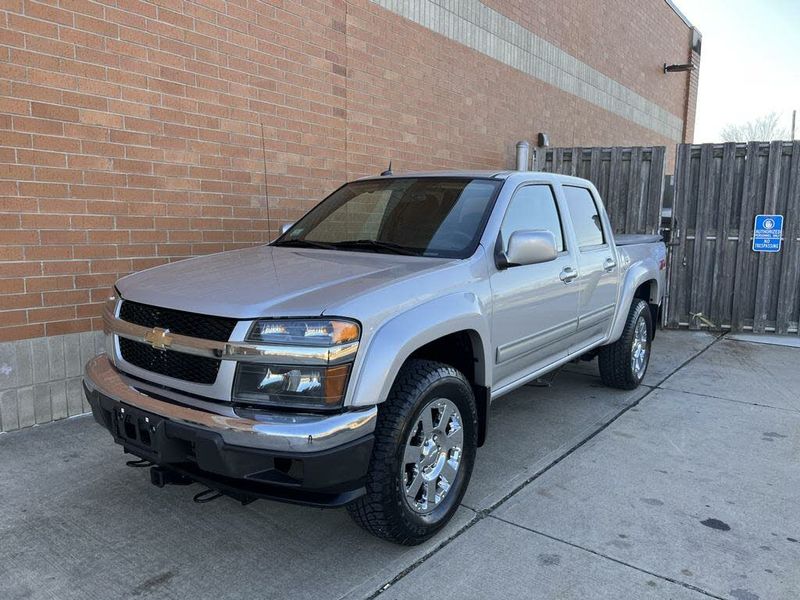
609,264
568,274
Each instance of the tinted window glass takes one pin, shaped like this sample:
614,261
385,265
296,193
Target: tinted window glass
434,216
585,218
357,219
533,207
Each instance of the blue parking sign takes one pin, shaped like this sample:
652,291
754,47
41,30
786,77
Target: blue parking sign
767,233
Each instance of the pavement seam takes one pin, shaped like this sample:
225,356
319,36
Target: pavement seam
482,514
791,410
689,586
477,517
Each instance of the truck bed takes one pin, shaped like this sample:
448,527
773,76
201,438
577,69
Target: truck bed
629,239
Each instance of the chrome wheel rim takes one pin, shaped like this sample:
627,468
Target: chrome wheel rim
639,348
432,455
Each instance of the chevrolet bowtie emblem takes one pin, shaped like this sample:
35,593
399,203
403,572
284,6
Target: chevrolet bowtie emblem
158,338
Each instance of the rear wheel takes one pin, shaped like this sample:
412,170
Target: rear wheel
425,443
623,364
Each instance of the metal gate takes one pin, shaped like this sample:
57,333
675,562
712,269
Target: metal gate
630,180
717,281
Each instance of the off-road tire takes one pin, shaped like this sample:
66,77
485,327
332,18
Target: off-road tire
383,510
614,360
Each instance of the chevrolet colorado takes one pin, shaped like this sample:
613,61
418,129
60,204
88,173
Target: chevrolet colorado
353,361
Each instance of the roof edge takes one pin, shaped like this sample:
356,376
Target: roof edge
678,12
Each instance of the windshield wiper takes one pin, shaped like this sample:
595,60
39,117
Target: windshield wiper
305,244
376,246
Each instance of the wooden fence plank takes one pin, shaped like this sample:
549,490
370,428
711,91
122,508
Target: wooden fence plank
722,287
766,262
633,201
788,307
630,180
742,289
702,206
677,272
655,197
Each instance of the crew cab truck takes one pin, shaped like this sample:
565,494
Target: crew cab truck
354,361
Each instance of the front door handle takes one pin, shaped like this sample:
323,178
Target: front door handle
609,264
568,274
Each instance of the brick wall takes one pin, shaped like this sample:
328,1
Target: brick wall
131,130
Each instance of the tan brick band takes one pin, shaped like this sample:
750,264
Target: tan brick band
481,28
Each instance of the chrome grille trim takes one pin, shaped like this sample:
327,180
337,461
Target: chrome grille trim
237,351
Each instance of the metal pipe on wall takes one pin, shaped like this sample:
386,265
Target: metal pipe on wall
523,156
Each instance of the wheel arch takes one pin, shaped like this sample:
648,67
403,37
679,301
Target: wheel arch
452,329
649,292
463,350
641,282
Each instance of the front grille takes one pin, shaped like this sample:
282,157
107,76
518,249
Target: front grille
197,369
178,321
188,367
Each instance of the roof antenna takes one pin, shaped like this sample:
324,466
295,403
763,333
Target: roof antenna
266,188
388,171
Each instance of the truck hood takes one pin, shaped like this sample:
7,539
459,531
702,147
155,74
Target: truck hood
269,281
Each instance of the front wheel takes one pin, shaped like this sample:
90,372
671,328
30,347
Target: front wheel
623,364
425,444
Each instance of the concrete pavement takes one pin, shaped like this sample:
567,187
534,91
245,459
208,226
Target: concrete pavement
684,490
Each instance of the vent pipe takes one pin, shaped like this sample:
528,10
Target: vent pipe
523,156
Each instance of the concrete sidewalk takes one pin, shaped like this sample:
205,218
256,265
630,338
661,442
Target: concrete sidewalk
684,488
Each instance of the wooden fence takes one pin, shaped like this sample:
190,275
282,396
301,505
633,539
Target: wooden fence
630,180
716,280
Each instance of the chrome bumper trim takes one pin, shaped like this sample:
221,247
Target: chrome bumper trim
260,353
300,433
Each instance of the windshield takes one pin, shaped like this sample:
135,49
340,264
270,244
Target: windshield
426,216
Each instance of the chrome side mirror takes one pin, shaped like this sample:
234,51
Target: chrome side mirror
528,248
286,227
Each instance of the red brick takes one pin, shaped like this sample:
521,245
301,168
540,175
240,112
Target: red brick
42,284
36,157
45,126
64,267
48,13
65,298
18,301
45,315
12,286
53,111
22,332
63,327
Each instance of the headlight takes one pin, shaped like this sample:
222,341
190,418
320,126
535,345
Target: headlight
288,386
304,332
298,386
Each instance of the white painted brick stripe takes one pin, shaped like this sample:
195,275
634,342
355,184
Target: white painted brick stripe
472,23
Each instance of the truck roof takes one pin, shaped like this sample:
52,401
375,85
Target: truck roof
485,173
479,174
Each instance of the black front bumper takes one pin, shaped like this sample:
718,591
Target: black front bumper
326,478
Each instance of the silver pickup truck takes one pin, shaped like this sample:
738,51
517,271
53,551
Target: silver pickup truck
354,360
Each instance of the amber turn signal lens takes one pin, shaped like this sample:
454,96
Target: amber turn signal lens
336,384
345,331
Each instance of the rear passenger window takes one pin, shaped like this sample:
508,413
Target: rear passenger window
533,207
585,218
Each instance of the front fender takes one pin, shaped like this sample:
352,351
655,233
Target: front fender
399,337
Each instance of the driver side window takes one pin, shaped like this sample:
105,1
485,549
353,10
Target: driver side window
533,207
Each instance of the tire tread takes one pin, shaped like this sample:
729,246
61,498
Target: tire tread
615,359
371,511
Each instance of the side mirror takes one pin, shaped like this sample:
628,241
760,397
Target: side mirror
528,248
286,227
